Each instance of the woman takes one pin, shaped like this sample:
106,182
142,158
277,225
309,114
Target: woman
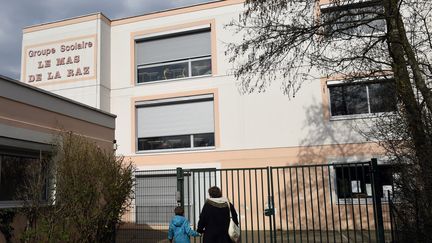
214,218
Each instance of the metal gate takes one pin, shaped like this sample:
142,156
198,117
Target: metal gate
338,202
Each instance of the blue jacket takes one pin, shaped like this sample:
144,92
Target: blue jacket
180,231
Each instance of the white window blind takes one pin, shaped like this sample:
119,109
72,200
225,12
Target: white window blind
155,199
173,47
175,117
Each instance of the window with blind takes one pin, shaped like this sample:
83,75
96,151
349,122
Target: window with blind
174,56
177,123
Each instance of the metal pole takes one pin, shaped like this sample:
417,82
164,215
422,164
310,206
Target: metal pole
391,217
271,204
377,202
270,209
180,187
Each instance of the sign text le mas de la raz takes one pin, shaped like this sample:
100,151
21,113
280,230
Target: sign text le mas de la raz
63,60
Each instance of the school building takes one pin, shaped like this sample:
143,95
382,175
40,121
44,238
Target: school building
167,78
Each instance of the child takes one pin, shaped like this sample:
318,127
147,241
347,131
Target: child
179,228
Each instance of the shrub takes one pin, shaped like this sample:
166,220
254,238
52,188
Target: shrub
89,191
6,219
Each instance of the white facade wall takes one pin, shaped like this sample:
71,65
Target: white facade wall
249,126
104,82
88,89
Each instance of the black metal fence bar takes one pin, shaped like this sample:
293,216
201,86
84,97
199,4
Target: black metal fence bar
245,204
299,203
292,203
394,217
331,205
256,203
298,199
278,183
359,207
326,203
251,205
262,203
319,204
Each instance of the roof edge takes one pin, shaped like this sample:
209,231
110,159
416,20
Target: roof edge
175,11
131,19
67,21
22,84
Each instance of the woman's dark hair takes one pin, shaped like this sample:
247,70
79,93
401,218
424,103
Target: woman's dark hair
215,192
179,211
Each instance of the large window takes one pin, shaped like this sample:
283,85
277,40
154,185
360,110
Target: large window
355,181
361,98
14,172
183,55
354,19
177,123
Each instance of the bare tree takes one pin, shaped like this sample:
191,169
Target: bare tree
294,41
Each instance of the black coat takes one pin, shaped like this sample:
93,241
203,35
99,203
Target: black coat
214,222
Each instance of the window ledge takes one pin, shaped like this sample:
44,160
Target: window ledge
359,116
174,79
344,5
377,34
179,150
11,204
18,204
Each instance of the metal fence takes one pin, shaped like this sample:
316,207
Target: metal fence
300,203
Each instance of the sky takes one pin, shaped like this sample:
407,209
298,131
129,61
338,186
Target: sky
17,14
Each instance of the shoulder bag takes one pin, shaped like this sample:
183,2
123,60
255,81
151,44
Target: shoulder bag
233,229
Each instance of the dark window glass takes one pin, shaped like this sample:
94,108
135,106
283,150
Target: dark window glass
348,99
358,19
168,142
174,142
201,67
163,72
356,181
203,140
382,97
13,174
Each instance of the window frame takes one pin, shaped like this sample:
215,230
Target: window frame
357,4
209,27
192,148
365,81
187,60
187,99
23,154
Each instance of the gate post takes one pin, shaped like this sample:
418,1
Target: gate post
379,225
180,187
270,211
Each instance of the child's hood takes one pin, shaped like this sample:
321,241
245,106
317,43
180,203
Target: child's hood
178,220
